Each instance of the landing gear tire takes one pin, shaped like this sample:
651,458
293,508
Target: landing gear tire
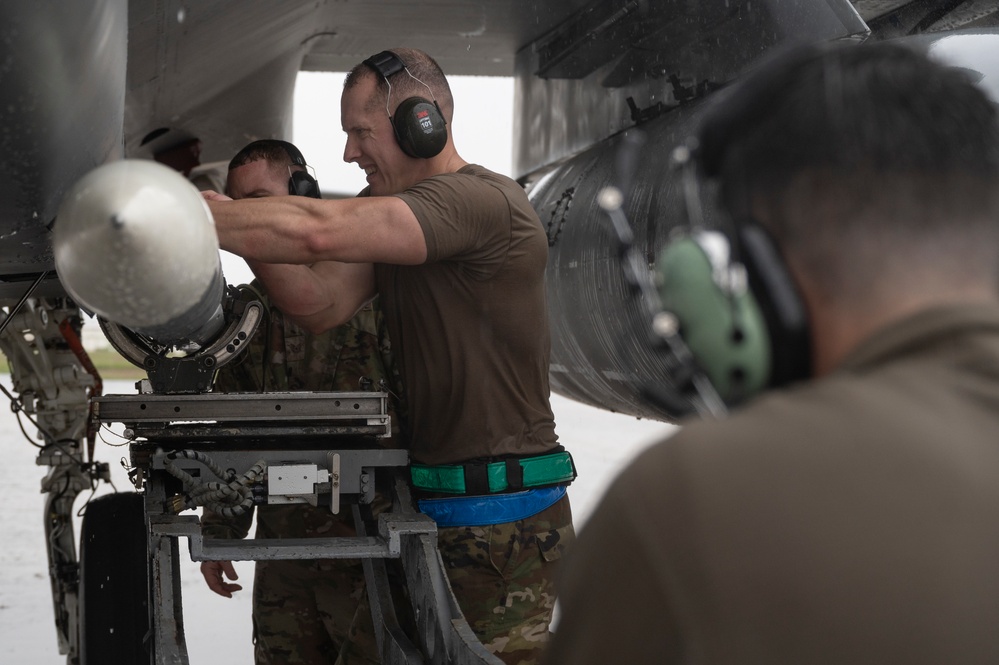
114,581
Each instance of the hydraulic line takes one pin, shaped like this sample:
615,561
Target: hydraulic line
229,496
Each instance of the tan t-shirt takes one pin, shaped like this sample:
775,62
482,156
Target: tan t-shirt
470,326
853,519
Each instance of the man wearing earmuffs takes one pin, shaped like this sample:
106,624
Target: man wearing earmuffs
308,611
853,515
457,256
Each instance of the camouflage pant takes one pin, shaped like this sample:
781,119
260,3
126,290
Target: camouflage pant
502,575
307,611
503,578
311,611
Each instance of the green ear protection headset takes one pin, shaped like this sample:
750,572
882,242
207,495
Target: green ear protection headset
737,305
719,318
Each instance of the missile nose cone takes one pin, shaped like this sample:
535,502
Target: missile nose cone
135,243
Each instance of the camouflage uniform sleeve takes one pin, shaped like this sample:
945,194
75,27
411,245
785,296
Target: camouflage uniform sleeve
365,362
214,525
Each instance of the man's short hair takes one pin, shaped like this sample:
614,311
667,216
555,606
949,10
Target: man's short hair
422,67
869,145
273,151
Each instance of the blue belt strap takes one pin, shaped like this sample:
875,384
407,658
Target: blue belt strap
491,508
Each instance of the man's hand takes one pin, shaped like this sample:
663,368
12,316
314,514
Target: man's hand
210,195
212,571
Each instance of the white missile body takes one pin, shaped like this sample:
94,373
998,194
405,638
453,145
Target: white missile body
135,243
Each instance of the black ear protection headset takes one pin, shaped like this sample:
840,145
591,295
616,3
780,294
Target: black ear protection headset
300,183
418,124
745,339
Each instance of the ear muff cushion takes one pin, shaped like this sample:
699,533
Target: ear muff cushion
781,304
727,335
302,184
419,128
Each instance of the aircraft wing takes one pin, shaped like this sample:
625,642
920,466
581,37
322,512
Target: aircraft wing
84,83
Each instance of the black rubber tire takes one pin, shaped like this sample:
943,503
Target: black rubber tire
114,581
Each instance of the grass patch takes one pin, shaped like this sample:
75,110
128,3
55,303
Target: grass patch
108,362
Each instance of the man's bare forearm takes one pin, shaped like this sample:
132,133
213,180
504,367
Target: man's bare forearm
300,230
270,230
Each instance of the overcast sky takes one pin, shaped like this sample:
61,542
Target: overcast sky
482,130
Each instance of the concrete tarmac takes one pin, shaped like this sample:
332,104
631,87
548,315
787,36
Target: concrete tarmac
218,629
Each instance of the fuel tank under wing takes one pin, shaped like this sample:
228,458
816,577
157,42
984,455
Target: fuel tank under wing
588,85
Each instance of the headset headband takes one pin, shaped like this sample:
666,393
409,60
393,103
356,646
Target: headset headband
294,154
385,63
389,64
